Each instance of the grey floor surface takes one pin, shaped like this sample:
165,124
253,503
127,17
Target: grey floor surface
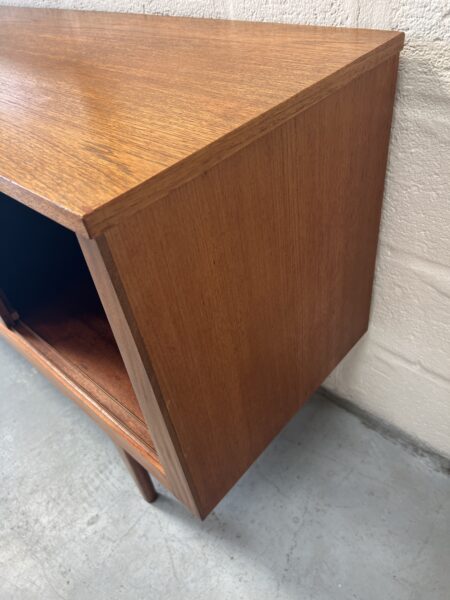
332,510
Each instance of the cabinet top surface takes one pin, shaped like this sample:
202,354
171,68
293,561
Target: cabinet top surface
102,112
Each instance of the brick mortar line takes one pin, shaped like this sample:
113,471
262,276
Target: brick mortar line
408,255
411,364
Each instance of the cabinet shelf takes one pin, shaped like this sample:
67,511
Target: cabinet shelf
60,319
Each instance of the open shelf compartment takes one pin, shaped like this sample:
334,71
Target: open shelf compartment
60,322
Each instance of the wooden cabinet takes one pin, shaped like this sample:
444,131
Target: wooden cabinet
189,223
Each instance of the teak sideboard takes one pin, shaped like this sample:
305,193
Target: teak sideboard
189,217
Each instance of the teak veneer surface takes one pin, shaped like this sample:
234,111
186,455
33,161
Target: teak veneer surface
256,277
86,341
86,393
193,327
101,114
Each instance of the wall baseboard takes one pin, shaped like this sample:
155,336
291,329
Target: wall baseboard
391,432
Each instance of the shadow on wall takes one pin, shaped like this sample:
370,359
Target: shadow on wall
401,371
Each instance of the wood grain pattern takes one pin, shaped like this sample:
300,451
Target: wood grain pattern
232,175
103,114
43,274
84,392
139,370
88,344
250,283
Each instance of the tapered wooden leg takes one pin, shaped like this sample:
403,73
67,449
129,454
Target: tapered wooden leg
140,476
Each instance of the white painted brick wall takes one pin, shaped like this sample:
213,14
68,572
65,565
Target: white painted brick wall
401,370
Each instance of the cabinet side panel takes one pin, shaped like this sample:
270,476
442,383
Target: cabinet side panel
134,355
251,282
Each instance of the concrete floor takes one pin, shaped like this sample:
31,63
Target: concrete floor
331,511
